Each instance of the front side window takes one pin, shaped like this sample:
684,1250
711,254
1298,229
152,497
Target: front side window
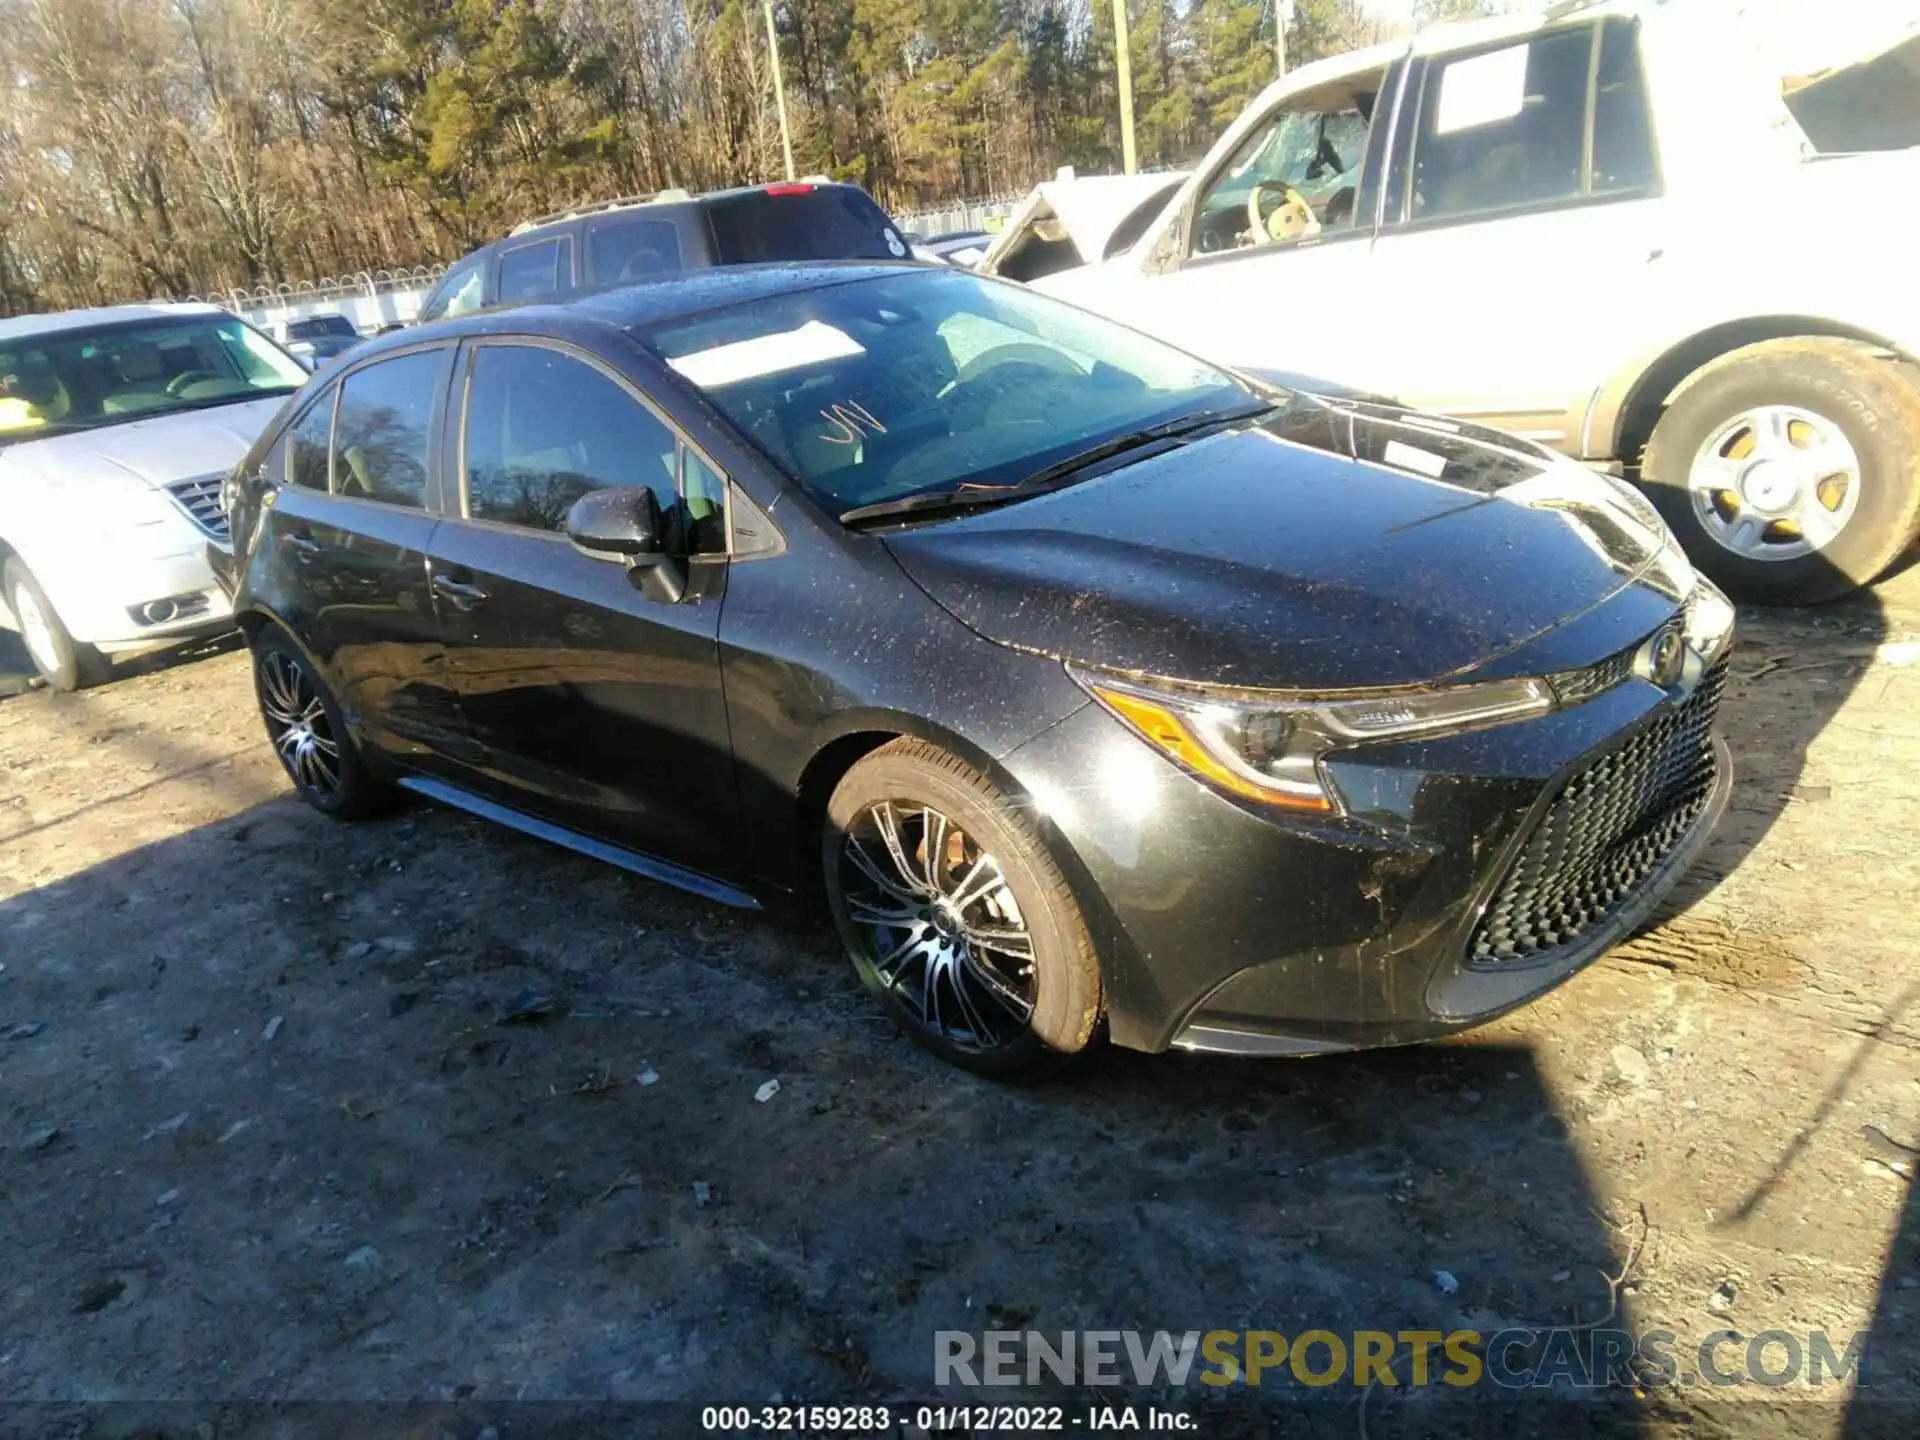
1295,176
543,428
380,434
1503,128
871,390
460,291
87,379
542,268
309,442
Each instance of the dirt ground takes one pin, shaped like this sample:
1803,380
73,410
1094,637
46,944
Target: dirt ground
421,1109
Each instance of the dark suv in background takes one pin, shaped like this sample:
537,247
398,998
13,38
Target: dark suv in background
641,237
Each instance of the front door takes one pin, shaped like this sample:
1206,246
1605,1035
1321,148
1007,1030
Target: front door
354,520
1264,263
599,708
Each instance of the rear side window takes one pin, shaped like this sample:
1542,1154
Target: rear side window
544,428
542,268
802,223
620,252
1504,127
307,444
380,434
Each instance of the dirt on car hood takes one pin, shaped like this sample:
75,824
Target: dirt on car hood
1325,546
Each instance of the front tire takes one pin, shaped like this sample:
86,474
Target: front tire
309,734
1790,470
956,915
66,664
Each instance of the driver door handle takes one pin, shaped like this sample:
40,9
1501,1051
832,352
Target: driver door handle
301,546
463,595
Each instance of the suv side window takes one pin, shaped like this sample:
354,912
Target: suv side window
622,251
1503,128
460,291
544,267
544,428
1295,176
308,442
380,435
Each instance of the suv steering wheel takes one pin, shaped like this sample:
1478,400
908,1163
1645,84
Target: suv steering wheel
1292,219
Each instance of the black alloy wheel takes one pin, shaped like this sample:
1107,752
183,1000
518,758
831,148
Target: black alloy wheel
955,913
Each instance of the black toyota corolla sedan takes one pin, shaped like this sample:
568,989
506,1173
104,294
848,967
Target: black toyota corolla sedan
1097,690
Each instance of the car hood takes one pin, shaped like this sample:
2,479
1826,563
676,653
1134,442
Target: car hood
1331,545
159,451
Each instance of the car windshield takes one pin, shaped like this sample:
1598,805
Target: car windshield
918,381
84,379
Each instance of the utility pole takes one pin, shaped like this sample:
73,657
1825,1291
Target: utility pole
779,90
1280,15
1123,53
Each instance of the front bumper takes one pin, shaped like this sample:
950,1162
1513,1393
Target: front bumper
1232,929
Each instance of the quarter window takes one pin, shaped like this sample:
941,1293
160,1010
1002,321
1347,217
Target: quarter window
306,457
380,435
1622,133
542,268
704,493
544,428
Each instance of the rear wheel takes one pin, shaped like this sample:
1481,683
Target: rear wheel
309,735
956,915
64,663
1790,470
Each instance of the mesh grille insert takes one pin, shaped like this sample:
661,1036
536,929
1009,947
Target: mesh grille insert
1604,834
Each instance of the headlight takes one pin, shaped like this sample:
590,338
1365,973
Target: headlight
1270,749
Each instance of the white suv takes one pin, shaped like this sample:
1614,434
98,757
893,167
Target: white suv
117,427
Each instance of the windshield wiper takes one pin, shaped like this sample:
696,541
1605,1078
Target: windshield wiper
971,495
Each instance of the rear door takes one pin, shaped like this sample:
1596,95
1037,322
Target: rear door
599,709
1520,256
350,530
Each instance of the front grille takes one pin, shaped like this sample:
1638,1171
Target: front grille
200,498
1604,834
1573,687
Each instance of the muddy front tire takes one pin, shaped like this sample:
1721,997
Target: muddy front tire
956,915
1790,470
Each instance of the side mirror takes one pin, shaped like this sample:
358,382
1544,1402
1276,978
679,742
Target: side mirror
623,523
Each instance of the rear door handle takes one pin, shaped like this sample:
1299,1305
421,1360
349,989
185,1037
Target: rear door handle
462,595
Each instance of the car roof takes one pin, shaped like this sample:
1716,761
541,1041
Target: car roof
650,302
25,327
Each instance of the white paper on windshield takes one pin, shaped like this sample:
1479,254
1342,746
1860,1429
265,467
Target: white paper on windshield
729,364
1412,457
1481,90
